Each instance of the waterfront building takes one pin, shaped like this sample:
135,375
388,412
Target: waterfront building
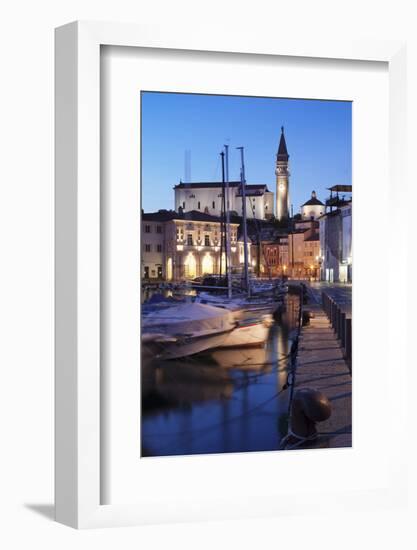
345,271
206,197
275,258
293,251
187,245
296,253
312,256
269,261
153,245
336,237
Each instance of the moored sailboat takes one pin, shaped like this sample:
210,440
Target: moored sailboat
171,330
252,296
186,329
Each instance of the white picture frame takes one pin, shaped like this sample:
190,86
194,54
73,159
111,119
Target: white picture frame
78,404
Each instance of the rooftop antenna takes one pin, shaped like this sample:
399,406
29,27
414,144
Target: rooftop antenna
187,166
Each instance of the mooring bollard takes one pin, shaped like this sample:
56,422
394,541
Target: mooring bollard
306,318
308,407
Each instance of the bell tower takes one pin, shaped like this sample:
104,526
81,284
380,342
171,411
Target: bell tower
283,180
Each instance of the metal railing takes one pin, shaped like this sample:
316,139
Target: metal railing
341,321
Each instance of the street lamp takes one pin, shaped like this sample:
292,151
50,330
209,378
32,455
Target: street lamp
320,261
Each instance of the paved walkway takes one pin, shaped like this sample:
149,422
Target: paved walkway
320,365
341,293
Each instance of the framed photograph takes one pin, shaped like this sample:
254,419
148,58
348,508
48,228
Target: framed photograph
217,356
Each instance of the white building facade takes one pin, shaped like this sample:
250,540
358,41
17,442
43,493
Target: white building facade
345,270
206,197
313,208
336,245
179,246
153,249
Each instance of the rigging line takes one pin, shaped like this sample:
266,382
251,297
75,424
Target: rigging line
245,381
268,363
203,431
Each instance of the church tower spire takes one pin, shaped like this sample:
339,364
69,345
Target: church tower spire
282,177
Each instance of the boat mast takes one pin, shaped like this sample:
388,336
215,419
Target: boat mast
222,221
227,210
245,229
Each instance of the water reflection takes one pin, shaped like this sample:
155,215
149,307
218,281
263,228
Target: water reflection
169,292
224,401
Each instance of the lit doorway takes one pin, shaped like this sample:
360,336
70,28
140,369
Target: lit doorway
169,269
343,273
190,266
208,264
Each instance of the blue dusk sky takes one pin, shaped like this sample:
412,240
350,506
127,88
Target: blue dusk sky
318,136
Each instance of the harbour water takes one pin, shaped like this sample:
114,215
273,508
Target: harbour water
222,401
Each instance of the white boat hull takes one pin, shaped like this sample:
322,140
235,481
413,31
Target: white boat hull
174,348
240,306
185,329
247,335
